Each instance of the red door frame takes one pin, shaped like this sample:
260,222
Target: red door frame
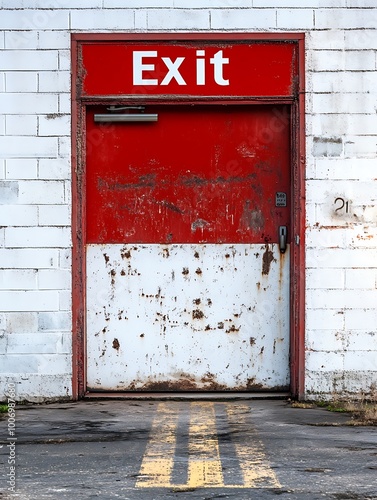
297,270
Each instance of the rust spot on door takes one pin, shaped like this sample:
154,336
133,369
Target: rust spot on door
209,379
197,314
185,383
126,254
252,386
232,329
268,257
113,273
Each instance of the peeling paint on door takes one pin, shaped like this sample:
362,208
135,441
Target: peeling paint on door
226,328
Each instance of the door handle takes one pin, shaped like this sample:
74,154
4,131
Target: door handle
112,117
283,238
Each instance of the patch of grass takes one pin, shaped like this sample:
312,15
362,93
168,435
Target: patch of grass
303,405
3,408
363,412
363,408
322,404
337,407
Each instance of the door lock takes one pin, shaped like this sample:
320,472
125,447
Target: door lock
283,238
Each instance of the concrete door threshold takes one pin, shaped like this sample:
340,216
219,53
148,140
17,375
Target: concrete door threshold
190,396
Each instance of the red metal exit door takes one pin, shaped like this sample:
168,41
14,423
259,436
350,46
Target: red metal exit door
187,262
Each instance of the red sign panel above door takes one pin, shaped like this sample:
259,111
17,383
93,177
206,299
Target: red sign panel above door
188,68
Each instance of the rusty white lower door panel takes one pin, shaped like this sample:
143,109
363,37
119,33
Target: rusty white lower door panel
187,317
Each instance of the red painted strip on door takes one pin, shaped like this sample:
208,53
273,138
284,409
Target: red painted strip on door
200,174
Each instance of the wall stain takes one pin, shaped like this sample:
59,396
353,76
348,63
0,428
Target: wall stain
199,224
172,207
251,218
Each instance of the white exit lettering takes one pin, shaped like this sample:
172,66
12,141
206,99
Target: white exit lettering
140,66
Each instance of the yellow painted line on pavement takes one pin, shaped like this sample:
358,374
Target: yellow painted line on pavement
255,467
204,468
204,460
158,461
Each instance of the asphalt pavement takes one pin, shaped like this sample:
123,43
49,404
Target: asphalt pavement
135,449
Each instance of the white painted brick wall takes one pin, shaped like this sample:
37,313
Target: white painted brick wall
58,169
257,19
2,125
2,82
21,125
2,169
50,81
14,102
38,237
54,125
54,215
53,40
18,279
10,60
35,170
21,81
21,323
28,300
18,168
18,215
41,192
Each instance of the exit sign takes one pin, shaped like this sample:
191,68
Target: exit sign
188,68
